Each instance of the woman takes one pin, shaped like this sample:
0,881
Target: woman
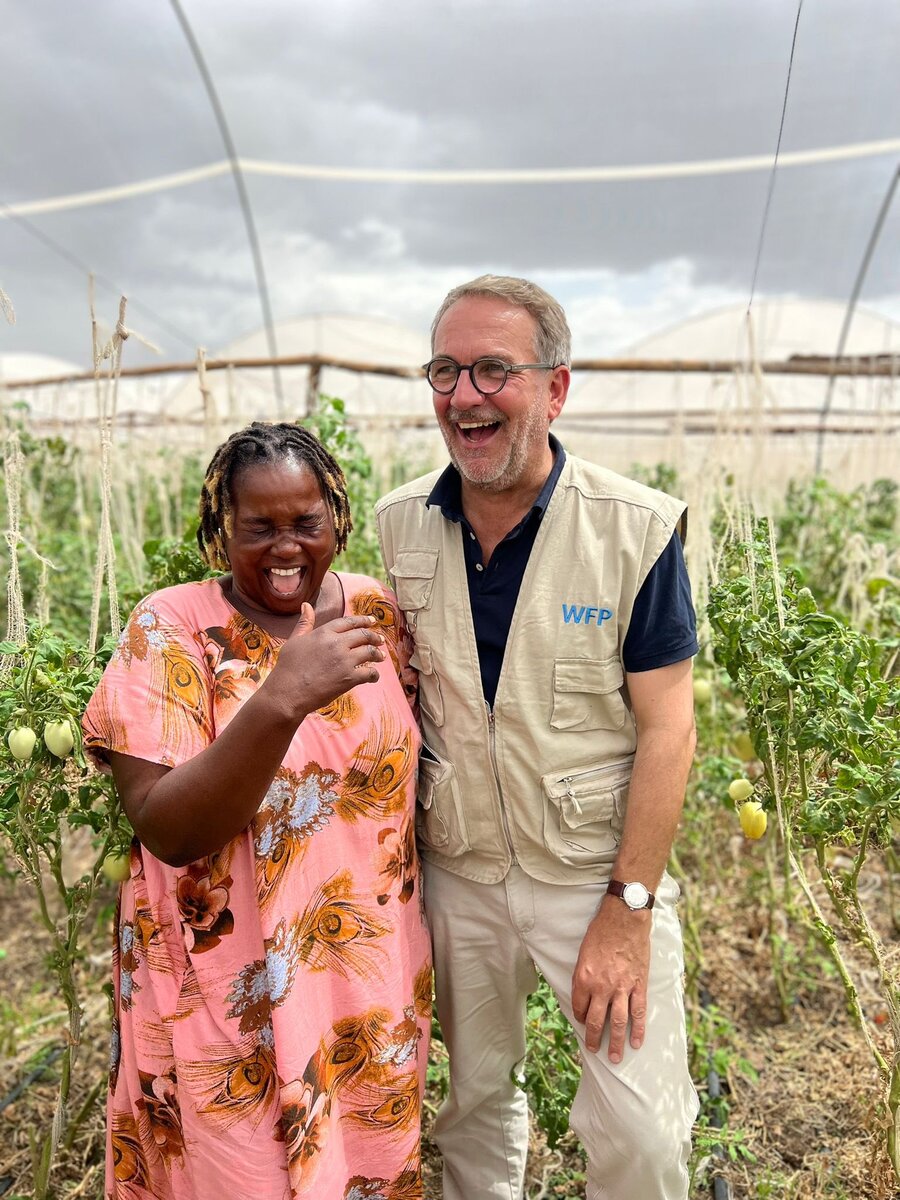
272,974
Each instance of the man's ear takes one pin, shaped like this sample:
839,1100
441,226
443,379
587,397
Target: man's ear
559,389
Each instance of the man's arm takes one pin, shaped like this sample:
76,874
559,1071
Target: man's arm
610,979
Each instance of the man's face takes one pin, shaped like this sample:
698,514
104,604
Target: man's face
496,442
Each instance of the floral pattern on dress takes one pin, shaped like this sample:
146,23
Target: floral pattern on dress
272,1000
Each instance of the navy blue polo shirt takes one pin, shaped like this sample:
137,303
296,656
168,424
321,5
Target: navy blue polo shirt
663,627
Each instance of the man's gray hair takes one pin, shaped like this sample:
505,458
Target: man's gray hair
553,341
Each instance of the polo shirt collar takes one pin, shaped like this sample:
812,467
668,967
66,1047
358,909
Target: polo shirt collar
447,491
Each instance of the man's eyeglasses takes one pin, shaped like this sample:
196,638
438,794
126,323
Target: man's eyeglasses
488,375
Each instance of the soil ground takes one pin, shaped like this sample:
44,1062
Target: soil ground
799,1082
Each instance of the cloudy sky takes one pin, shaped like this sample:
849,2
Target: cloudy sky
102,93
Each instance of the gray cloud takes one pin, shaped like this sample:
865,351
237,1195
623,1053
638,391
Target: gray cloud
97,94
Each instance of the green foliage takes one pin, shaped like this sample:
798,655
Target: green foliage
845,547
43,797
824,719
552,1070
330,425
815,698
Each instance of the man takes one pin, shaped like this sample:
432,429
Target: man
554,633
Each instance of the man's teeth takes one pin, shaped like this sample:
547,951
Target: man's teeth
475,424
284,570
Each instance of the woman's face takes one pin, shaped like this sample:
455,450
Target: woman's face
283,541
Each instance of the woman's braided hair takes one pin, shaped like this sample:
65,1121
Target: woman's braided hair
264,443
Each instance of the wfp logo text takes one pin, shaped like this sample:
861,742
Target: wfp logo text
581,614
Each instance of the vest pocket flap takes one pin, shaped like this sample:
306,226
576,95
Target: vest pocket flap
591,797
598,676
433,771
422,660
413,576
440,821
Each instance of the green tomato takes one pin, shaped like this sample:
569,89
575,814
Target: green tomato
740,789
116,867
743,747
753,819
58,738
702,691
21,742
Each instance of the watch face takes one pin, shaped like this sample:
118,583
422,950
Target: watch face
635,895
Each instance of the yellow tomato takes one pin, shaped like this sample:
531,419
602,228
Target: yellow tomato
740,789
702,691
753,819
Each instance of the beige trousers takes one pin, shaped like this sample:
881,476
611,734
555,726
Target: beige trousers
634,1119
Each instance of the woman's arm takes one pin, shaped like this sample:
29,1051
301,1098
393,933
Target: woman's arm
186,812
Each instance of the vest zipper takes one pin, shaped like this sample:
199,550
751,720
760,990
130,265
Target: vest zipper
578,776
503,814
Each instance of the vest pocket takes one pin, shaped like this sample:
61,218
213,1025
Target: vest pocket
440,823
430,699
413,576
584,812
586,694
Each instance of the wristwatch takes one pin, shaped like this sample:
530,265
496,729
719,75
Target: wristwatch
635,895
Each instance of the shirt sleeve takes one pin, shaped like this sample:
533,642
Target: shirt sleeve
155,699
663,628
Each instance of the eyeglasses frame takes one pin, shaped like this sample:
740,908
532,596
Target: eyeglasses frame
511,369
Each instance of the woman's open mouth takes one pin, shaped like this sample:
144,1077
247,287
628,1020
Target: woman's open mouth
286,581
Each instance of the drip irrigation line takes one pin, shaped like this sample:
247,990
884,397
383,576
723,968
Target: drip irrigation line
721,1188
851,308
243,195
24,1084
73,260
772,174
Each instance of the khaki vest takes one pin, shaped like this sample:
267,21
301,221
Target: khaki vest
543,779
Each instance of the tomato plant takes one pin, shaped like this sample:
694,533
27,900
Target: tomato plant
823,710
45,684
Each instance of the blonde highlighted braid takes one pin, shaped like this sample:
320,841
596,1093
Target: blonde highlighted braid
259,443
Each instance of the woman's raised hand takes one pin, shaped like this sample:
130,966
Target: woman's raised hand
317,664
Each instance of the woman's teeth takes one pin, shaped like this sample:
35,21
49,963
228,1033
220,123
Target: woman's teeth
285,579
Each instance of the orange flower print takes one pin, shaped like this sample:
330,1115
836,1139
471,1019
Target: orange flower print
159,1101
265,984
407,1185
294,808
396,862
304,1125
402,1042
140,635
203,906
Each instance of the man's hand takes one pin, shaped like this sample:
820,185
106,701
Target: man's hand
610,979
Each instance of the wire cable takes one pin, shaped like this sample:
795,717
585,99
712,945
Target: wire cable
851,308
771,188
513,177
74,261
243,196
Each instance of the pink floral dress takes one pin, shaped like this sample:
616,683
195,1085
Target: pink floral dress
272,1001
